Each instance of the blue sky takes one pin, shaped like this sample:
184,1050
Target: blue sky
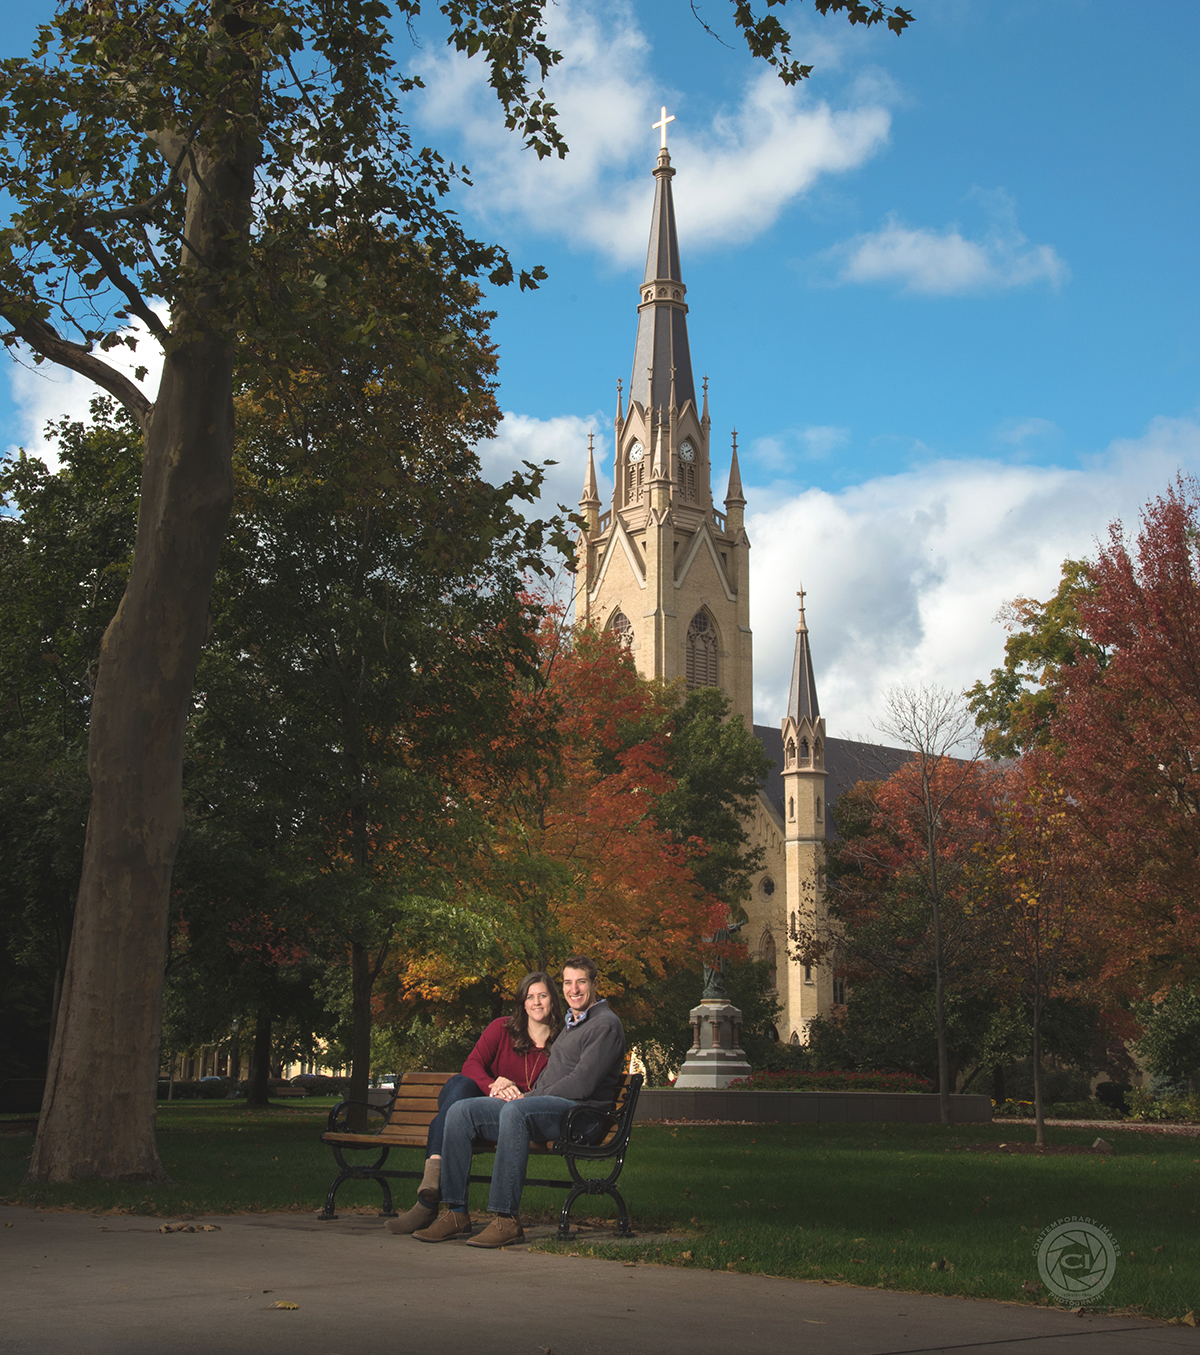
947,292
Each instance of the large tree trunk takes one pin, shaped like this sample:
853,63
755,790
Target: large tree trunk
258,1092
98,1113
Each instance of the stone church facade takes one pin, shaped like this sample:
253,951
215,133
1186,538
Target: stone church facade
669,570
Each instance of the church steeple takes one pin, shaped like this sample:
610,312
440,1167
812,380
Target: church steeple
662,338
802,696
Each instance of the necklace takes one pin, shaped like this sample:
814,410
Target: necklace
529,1081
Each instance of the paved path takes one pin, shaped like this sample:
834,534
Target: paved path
88,1285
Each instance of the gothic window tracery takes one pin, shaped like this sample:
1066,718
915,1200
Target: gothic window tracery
791,752
804,749
701,652
621,626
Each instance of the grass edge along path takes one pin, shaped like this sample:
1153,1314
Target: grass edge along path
917,1208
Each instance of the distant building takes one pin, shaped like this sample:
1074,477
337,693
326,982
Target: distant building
669,571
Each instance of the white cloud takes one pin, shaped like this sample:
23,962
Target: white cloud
946,262
48,393
563,440
1018,431
740,170
905,573
821,439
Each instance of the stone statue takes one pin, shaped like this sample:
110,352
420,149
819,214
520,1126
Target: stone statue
714,975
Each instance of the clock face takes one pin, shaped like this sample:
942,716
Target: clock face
687,452
636,452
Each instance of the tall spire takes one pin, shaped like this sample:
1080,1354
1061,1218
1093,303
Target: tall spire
802,698
591,492
662,339
734,493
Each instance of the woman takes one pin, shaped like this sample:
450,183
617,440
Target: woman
505,1063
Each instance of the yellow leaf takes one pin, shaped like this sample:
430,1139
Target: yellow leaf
284,1303
1188,1319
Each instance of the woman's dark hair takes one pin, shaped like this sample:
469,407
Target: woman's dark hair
517,1024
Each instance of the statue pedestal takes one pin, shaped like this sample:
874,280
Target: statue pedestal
715,1058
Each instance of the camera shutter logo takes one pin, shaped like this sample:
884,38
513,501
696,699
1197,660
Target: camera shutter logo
1076,1259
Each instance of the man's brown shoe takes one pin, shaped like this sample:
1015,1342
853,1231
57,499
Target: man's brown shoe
499,1233
419,1216
449,1226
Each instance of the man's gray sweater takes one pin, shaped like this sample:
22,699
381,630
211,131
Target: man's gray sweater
585,1060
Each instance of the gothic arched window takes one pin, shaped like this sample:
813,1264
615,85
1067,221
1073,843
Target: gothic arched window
620,625
791,751
767,953
701,652
804,749
791,808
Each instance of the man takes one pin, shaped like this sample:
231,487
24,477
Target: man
584,1068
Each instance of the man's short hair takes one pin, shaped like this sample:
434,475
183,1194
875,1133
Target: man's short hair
581,962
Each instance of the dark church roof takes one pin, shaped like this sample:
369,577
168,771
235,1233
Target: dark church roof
846,762
662,337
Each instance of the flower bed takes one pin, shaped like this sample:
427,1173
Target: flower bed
796,1080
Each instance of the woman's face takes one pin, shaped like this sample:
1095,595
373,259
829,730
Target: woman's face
537,1003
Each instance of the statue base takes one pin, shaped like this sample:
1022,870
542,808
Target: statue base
715,1058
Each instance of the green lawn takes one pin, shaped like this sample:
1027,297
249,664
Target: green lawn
888,1206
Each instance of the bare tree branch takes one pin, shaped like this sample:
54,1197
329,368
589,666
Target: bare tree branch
49,344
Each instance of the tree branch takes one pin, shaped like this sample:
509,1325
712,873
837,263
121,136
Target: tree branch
112,271
49,344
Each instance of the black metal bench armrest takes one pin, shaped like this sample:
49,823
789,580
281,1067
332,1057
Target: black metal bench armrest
580,1125
333,1126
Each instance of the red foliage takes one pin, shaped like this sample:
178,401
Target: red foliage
1129,732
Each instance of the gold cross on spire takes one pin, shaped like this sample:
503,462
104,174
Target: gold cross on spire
663,124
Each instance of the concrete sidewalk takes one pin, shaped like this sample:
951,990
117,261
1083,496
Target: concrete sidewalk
85,1284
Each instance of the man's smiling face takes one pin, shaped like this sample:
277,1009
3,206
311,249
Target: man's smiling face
578,990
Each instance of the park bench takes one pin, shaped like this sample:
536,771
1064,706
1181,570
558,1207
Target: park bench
413,1104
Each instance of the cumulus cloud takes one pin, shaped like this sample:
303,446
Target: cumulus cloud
905,573
947,262
563,440
742,167
48,393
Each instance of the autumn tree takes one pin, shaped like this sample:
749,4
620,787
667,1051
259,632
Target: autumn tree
575,859
1129,733
1037,893
898,900
1015,708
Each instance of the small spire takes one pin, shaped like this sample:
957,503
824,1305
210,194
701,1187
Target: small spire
734,493
704,419
672,406
660,466
802,696
620,419
591,493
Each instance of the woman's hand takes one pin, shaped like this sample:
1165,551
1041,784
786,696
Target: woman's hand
504,1089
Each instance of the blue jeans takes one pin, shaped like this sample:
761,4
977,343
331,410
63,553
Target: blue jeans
458,1088
509,1125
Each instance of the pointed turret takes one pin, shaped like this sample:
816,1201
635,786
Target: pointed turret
802,696
733,495
662,338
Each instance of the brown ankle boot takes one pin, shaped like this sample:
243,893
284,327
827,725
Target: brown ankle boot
449,1226
419,1216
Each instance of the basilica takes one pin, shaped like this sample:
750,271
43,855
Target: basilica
670,572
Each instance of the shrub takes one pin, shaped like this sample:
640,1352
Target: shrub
800,1080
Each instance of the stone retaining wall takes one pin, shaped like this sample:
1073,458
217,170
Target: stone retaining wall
657,1103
